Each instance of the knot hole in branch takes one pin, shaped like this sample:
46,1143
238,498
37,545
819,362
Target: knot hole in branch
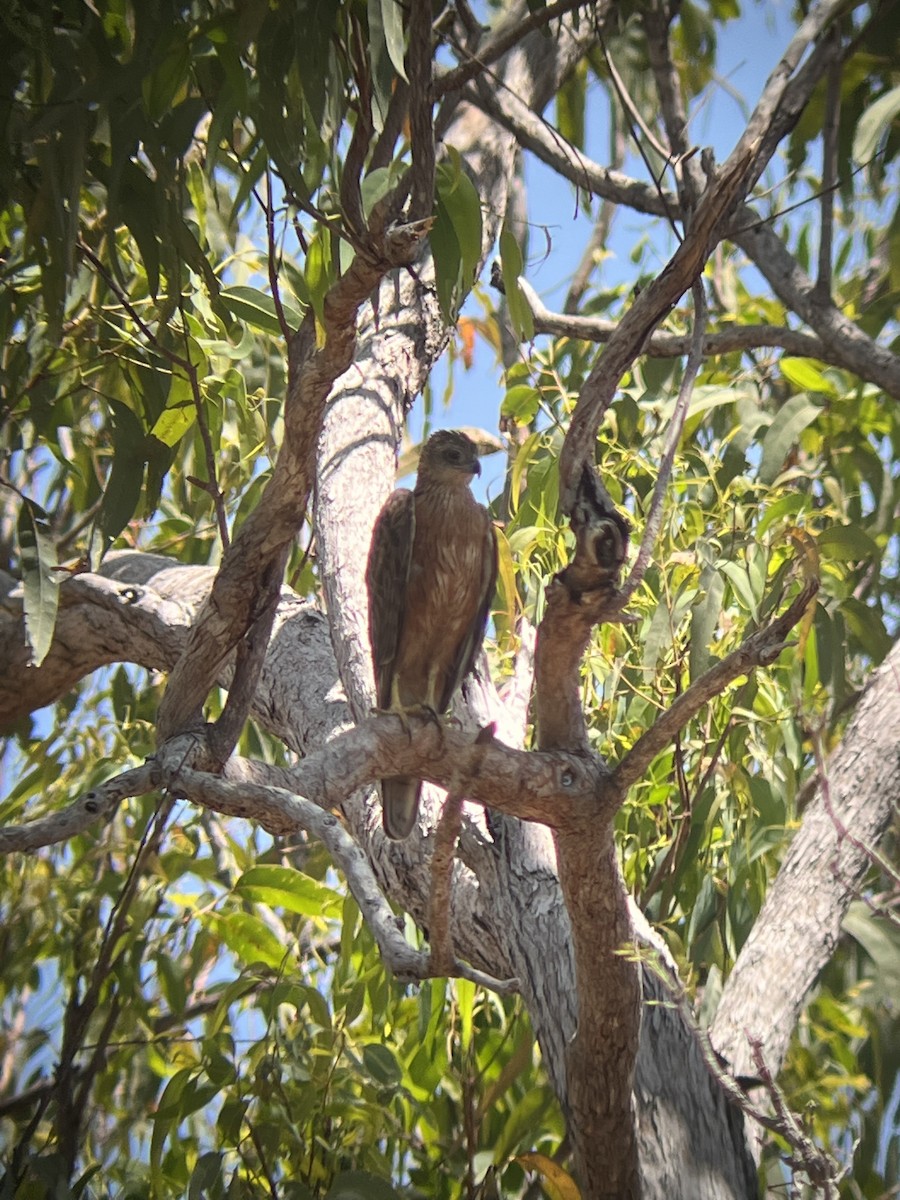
601,538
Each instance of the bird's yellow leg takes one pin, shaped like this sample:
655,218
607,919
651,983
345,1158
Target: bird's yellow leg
396,708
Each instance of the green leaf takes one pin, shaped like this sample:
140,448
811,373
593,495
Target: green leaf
460,198
521,403
382,1065
519,309
287,889
173,423
360,1185
570,105
319,272
790,421
447,262
257,309
806,376
392,24
874,123
881,940
126,477
40,583
168,1116
739,578
465,1003
160,87
847,543
248,938
705,619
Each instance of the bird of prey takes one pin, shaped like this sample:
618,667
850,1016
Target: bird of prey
430,576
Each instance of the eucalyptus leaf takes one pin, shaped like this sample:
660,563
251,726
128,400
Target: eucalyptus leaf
40,581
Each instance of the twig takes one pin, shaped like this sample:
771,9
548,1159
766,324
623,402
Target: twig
760,649
829,174
819,1167
513,31
599,234
673,439
268,208
634,117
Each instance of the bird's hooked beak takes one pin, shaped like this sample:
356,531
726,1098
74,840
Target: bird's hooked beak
476,467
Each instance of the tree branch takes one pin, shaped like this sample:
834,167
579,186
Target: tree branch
514,30
760,649
99,804
675,345
799,925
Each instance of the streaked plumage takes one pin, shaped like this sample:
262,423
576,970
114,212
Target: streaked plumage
430,576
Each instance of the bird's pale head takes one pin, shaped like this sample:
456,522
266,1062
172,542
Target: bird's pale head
449,456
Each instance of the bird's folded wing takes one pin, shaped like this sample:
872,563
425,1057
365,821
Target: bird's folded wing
387,573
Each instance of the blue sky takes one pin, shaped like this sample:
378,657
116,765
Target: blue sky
748,50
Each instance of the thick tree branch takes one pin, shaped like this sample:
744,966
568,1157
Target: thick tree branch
676,345
799,926
96,805
855,350
263,539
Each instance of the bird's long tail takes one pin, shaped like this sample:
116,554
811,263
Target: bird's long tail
400,802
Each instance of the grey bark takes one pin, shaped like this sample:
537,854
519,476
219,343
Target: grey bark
508,919
799,927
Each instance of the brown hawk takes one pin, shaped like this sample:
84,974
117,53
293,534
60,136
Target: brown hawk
430,576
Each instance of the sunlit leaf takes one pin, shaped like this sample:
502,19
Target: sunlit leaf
248,938
258,309
282,887
806,376
557,1183
519,308
781,436
874,123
